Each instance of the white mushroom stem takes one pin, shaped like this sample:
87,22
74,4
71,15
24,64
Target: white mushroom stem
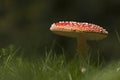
82,47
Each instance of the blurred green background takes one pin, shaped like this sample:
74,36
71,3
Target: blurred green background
26,23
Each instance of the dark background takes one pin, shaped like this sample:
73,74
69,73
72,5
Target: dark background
26,23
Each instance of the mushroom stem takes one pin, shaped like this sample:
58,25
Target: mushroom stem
82,47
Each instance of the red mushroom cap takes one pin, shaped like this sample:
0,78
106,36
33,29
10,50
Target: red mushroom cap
74,29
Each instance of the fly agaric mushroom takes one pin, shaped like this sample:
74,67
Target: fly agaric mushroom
82,31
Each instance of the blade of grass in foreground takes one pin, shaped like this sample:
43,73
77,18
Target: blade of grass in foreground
118,36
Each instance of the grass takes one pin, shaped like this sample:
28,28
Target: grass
54,67
49,67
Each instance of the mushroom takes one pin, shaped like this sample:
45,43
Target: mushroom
82,31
